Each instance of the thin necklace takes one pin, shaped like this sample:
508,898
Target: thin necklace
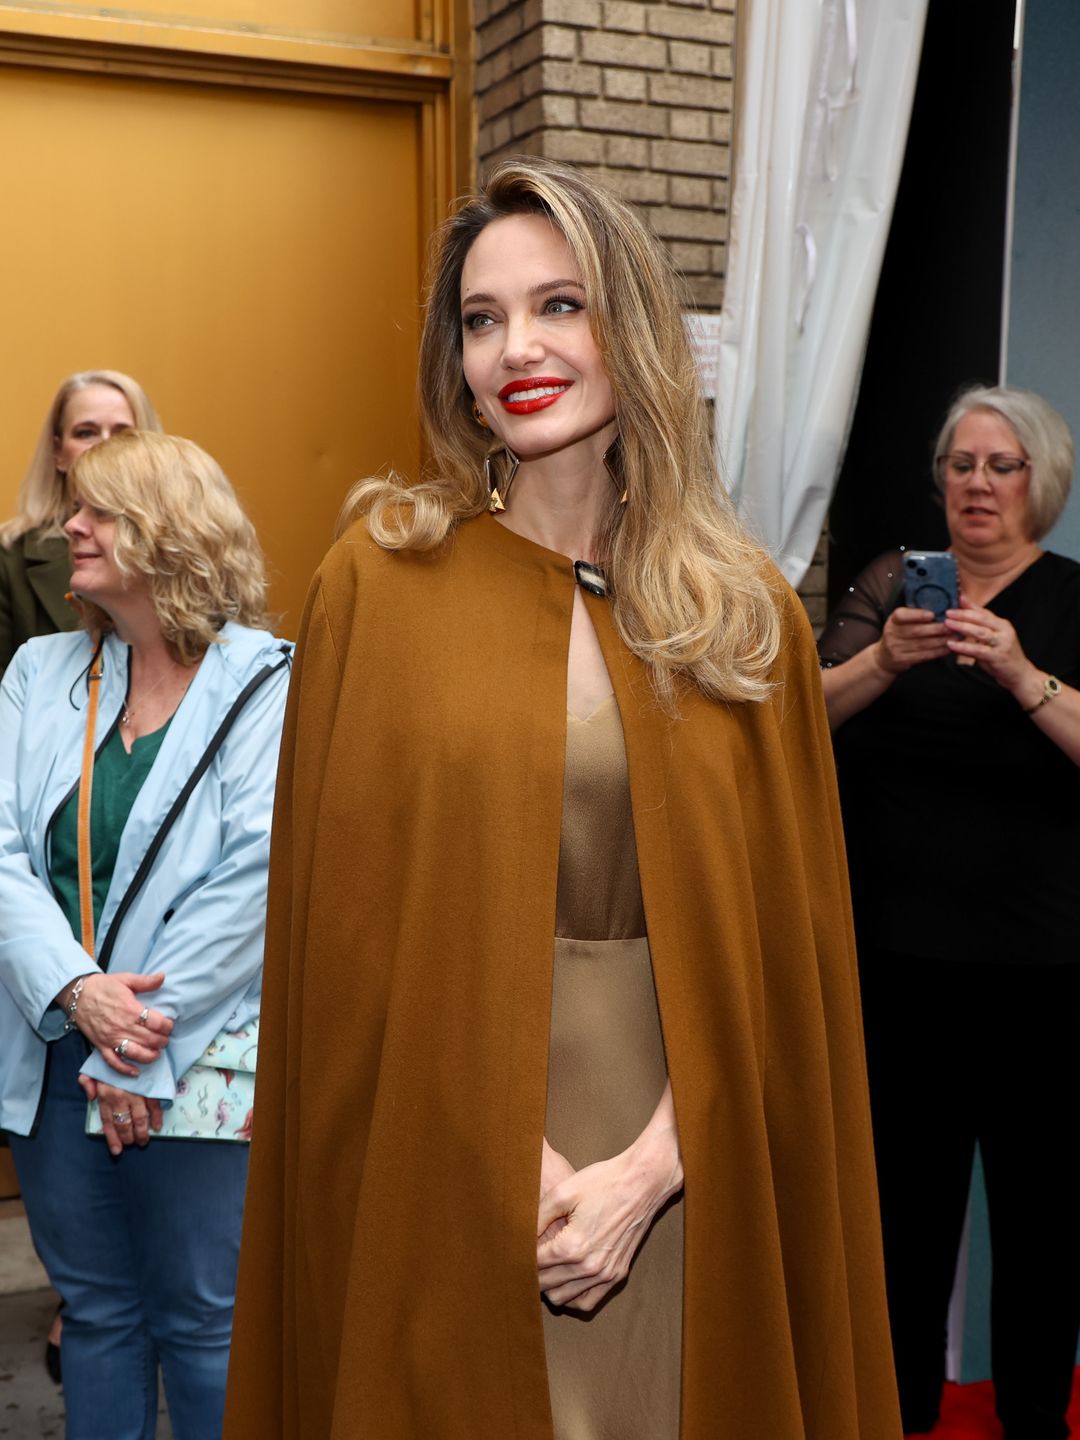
130,710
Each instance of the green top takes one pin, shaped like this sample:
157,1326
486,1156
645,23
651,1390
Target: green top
118,778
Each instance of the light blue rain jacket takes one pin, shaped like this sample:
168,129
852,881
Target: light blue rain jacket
199,916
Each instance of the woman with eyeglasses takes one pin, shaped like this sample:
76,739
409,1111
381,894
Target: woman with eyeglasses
958,746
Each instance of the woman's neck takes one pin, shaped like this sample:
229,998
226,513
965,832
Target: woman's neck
136,624
158,679
984,575
561,501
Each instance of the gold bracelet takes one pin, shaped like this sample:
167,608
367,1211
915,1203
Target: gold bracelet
1051,687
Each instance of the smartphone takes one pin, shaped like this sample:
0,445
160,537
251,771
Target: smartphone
931,581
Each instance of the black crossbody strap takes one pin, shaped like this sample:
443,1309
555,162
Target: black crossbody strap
138,880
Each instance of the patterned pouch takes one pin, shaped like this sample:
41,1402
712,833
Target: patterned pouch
215,1098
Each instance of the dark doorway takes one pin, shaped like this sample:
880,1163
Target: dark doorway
937,317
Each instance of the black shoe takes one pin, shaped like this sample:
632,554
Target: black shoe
52,1362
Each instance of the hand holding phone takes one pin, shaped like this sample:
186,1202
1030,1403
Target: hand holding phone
930,583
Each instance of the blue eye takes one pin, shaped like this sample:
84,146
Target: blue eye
478,320
562,305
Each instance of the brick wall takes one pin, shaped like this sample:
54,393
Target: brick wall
638,93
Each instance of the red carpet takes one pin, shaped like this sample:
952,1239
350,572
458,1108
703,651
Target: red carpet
967,1412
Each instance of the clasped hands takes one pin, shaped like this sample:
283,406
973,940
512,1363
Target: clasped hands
109,1012
591,1221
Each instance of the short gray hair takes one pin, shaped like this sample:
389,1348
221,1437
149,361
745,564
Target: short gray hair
1043,434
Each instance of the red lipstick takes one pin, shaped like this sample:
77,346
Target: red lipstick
523,397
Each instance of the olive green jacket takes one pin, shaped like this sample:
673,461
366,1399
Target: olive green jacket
34,577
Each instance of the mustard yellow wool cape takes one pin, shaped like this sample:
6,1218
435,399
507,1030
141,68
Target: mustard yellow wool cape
388,1285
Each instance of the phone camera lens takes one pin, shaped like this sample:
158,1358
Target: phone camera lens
921,572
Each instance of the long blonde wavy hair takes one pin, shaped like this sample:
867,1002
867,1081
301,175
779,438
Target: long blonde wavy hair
42,499
693,596
179,528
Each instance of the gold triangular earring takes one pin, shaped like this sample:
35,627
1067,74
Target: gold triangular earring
497,501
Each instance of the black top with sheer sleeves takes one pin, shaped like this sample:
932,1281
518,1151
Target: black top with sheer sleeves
962,818
860,615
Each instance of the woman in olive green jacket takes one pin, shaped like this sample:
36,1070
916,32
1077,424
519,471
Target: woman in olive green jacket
34,567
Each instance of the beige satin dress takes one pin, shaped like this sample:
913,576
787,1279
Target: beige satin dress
614,1374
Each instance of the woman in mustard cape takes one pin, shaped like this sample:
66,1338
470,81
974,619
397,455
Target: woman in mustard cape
622,1184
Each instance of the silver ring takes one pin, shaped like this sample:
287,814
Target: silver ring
143,1016
120,1117
122,1048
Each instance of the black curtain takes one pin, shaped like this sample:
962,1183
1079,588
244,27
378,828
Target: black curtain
937,317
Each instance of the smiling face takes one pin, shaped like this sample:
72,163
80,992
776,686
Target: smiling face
987,514
95,575
91,415
529,355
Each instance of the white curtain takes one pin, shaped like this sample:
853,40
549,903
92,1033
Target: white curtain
824,98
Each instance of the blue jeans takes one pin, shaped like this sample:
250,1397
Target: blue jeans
143,1249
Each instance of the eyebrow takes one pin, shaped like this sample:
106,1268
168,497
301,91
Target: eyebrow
543,289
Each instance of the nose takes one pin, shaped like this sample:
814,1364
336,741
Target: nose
75,526
980,472
521,344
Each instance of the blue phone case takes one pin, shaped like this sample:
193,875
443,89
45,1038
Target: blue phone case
931,581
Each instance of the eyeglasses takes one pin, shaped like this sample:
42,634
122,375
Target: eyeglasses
958,466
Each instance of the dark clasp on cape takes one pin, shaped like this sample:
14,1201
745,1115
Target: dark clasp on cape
590,578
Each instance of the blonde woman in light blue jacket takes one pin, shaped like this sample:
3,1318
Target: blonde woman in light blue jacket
139,1232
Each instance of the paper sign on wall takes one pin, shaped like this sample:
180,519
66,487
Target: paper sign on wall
704,331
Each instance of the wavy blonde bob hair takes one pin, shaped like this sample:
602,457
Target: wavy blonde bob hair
1042,432
693,596
179,528
42,499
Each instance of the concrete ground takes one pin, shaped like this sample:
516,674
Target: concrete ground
31,1406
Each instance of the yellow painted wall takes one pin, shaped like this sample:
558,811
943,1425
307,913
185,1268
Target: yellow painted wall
252,257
